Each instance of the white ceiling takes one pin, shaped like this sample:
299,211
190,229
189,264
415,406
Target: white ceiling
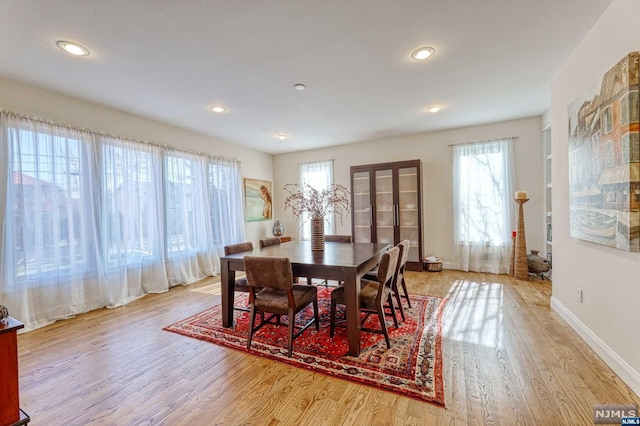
169,60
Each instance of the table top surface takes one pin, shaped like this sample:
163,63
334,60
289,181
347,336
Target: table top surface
334,254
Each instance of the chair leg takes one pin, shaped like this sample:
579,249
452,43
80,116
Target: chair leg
292,320
383,324
396,293
252,319
406,293
332,327
315,313
393,310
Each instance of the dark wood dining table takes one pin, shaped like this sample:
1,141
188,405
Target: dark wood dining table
346,262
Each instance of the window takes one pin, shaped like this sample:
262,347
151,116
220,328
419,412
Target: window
318,175
607,120
129,196
609,154
187,216
91,220
483,174
47,193
629,107
630,148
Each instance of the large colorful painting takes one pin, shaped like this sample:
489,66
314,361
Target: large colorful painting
604,160
257,200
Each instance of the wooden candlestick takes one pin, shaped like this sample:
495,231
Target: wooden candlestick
520,267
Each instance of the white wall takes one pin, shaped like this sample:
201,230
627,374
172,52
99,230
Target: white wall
432,148
608,316
31,100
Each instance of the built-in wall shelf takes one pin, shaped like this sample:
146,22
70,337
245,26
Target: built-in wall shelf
547,219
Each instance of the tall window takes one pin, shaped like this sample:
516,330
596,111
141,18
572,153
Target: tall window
483,188
607,119
630,105
318,175
48,224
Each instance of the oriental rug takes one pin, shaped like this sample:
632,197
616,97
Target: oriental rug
412,367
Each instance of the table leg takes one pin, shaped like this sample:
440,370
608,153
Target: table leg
352,293
227,282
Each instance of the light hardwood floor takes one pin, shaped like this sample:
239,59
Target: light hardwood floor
508,359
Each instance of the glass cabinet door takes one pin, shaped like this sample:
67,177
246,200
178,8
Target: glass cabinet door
408,210
385,207
361,207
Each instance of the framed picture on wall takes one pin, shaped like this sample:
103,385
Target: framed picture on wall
258,204
604,159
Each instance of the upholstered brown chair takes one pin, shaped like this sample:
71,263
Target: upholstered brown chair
400,281
268,242
375,296
279,295
399,278
241,283
336,239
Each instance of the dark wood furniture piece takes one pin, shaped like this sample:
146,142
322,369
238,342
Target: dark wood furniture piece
338,261
10,412
375,296
386,202
271,290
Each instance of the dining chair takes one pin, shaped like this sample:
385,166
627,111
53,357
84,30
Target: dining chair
279,295
375,296
336,239
241,283
268,242
399,278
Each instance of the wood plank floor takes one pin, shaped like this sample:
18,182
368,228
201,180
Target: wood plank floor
508,359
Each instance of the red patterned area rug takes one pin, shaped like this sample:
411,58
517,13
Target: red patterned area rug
412,367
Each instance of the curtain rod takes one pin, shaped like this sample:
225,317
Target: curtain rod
484,140
311,162
109,135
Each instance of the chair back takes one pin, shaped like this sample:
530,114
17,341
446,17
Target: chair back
272,272
387,268
338,238
238,248
403,256
269,242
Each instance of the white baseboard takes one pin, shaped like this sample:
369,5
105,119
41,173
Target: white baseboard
612,359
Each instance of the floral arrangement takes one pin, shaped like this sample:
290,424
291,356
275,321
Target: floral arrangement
305,198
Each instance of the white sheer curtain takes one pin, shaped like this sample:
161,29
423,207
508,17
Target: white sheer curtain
132,218
225,201
319,175
190,250
51,253
482,206
92,220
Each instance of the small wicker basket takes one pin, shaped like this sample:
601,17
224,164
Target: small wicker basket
431,266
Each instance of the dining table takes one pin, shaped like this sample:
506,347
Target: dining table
346,262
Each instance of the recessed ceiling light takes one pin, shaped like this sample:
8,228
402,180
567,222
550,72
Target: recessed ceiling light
218,109
433,109
423,53
282,136
73,48
299,86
